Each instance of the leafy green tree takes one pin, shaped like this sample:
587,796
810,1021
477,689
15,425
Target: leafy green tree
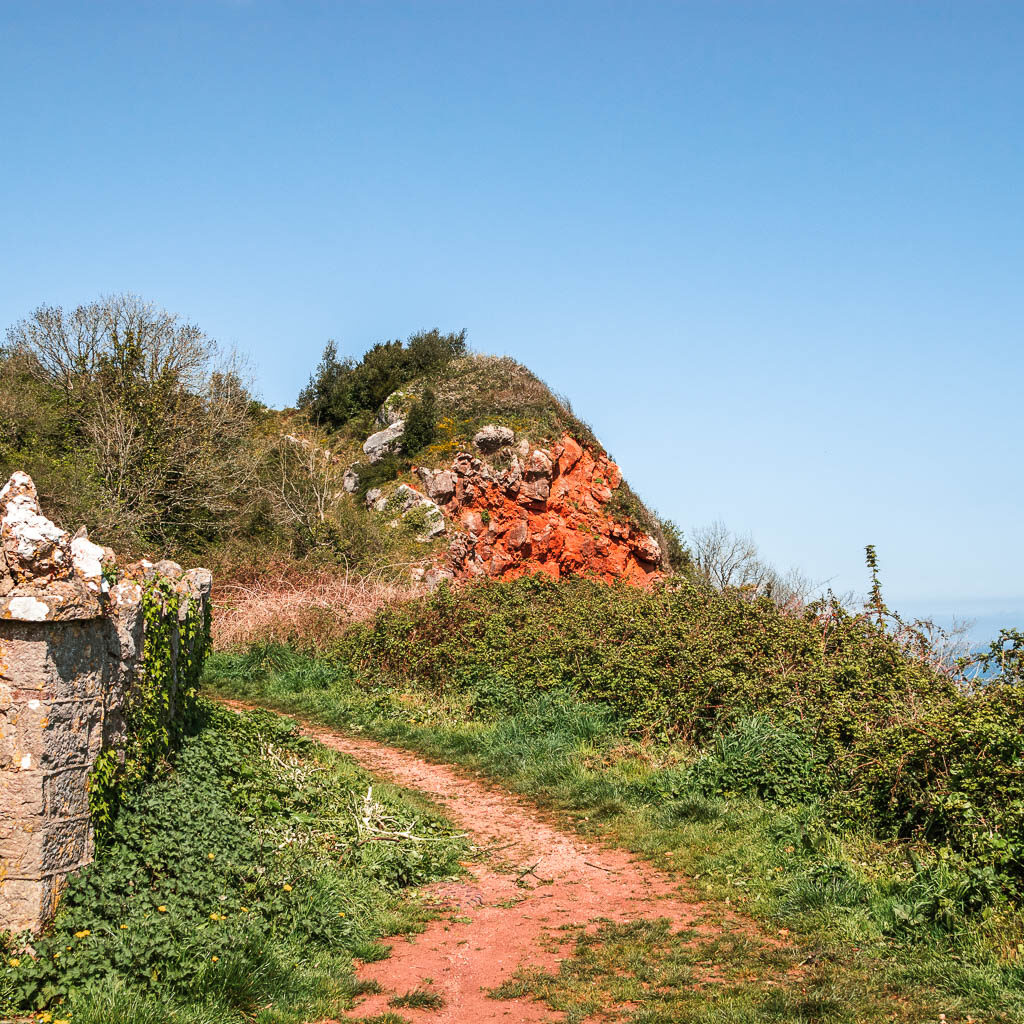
420,424
340,389
142,408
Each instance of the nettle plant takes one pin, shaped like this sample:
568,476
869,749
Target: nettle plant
160,709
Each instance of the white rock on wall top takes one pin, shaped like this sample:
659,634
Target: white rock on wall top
45,574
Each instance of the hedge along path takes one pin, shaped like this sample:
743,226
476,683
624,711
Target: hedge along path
533,880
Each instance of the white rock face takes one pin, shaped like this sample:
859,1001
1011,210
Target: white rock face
376,446
440,484
87,557
32,545
375,499
28,609
394,408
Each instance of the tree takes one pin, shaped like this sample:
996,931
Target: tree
340,389
304,486
420,424
151,404
733,562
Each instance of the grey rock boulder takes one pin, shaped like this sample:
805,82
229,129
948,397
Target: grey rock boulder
433,518
376,446
440,484
492,437
395,407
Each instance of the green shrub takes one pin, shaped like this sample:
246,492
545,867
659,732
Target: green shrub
682,659
342,388
952,774
1004,659
420,424
760,758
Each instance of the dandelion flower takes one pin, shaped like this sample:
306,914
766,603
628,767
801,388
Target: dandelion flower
244,910
341,913
210,856
14,962
82,934
124,927
214,959
161,909
286,887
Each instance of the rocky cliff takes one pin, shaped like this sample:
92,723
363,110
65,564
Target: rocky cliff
511,508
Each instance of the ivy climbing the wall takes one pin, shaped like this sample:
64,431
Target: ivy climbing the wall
161,707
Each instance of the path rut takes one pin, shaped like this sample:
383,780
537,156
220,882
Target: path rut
538,880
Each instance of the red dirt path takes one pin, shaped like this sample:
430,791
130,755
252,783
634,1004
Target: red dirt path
572,882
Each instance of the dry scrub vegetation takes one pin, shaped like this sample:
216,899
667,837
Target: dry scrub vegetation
286,602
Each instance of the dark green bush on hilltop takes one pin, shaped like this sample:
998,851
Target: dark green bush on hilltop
342,388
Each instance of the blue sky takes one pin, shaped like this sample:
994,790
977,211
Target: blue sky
772,251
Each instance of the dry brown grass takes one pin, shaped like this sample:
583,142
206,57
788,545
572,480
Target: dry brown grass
288,602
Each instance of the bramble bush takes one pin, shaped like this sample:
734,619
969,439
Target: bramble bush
681,660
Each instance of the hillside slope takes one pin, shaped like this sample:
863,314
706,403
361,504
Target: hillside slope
480,462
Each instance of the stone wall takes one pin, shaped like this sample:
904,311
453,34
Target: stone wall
72,637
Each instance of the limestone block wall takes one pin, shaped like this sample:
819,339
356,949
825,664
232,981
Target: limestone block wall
72,637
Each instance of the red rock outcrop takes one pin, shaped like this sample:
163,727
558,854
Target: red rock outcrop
545,512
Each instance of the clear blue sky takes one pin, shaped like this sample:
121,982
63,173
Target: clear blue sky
772,251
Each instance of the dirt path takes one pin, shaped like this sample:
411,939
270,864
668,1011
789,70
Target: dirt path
537,880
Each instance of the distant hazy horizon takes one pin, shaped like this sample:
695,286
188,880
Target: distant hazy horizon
985,618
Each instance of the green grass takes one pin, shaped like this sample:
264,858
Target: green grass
855,908
657,976
240,885
420,998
